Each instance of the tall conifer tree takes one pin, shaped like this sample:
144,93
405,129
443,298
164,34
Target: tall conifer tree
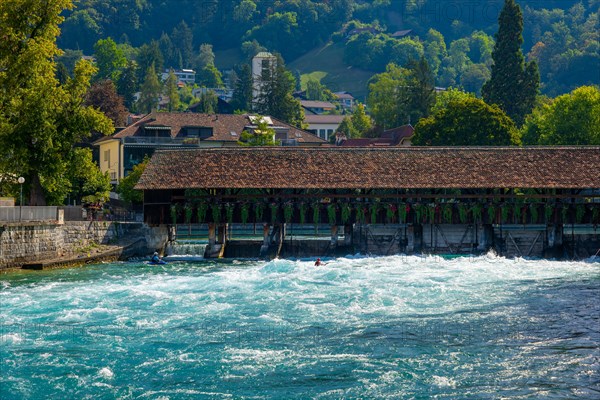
151,89
242,92
275,98
514,84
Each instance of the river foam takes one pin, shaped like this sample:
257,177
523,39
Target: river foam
387,327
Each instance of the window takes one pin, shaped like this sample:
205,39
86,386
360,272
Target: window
107,157
192,132
323,133
205,133
113,176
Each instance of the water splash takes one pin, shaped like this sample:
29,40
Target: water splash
387,327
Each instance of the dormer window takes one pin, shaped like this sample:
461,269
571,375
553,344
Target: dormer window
157,131
205,133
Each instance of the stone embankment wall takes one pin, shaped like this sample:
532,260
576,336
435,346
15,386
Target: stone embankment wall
32,242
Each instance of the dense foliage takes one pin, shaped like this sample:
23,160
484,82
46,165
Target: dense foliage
570,119
466,122
455,36
126,185
41,119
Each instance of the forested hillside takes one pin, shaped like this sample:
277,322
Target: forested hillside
456,36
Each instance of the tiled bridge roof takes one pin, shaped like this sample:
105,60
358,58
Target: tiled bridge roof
390,168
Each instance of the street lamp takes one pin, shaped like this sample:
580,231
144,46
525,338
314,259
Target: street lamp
21,180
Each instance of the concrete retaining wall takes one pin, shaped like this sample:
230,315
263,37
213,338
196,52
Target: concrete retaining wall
32,242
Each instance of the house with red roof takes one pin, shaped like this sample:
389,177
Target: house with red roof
120,152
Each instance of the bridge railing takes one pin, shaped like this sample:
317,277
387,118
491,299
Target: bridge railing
28,213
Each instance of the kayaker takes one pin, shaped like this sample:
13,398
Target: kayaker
318,263
155,258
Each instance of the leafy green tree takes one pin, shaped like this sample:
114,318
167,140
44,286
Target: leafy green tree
513,85
151,89
41,120
286,26
262,135
405,50
69,58
467,122
62,73
435,50
208,103
172,91
423,88
206,56
570,119
315,90
244,11
88,183
444,98
109,59
347,128
361,122
168,51
275,97
242,89
250,48
210,77
81,29
401,95
127,84
149,55
126,186
183,38
389,97
474,76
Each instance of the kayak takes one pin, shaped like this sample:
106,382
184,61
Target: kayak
161,262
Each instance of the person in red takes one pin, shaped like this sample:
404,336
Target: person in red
319,263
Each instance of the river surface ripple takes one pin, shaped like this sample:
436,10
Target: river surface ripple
387,327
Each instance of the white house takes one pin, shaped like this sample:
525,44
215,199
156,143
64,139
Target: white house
324,126
187,76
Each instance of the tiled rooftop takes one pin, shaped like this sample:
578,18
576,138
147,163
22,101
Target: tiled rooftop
347,168
223,125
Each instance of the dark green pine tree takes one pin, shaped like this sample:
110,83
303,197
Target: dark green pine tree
242,92
423,89
275,98
128,84
514,85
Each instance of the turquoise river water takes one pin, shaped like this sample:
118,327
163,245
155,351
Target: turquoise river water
390,327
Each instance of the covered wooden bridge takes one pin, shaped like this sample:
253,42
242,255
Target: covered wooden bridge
422,189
